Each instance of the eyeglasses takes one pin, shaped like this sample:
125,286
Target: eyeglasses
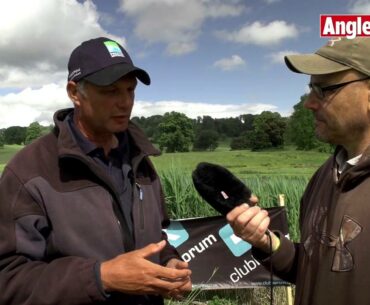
320,91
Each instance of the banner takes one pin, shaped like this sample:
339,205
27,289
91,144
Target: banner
349,26
218,258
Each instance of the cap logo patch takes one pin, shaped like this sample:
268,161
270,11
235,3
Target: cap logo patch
331,42
74,73
114,49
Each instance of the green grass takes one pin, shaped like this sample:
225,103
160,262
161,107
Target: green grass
6,153
183,201
268,174
245,163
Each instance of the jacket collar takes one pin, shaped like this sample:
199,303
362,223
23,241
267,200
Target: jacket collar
67,146
356,174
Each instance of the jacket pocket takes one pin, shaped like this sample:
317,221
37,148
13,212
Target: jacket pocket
147,214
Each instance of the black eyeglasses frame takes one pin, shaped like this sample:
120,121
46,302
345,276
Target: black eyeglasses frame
320,91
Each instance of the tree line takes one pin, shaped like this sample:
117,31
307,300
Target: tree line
23,135
175,132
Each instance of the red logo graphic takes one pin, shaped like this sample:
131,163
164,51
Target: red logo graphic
349,26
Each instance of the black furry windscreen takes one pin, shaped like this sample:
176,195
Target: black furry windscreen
219,187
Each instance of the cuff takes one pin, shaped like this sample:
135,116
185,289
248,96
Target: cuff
279,258
98,280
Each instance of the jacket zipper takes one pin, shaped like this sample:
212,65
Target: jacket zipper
116,218
127,241
141,208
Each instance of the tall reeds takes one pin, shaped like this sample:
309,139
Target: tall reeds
183,201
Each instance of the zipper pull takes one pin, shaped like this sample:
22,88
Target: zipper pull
141,195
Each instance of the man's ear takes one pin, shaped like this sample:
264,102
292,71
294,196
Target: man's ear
73,93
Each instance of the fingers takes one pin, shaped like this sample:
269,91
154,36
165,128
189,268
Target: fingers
234,213
172,289
133,273
177,264
255,231
178,294
151,249
253,200
250,224
173,274
169,285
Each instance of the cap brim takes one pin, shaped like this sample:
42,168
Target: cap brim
109,75
313,64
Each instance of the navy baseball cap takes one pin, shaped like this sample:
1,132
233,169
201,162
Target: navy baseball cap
102,61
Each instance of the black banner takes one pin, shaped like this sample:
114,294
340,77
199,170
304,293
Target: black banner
219,259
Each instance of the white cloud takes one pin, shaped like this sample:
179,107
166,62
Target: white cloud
193,109
271,1
360,7
261,34
38,36
176,23
224,10
231,63
30,105
278,57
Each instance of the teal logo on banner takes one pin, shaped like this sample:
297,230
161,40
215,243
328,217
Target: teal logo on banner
176,234
235,244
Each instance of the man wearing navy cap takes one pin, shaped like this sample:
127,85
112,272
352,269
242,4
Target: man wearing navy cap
82,208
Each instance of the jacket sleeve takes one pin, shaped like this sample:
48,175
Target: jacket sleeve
283,261
28,276
286,259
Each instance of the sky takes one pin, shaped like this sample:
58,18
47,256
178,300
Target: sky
221,58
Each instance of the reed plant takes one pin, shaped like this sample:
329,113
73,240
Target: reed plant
183,201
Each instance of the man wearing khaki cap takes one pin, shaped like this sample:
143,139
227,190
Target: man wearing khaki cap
331,264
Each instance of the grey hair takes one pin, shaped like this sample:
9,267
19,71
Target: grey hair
81,87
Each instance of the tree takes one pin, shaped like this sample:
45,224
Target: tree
247,120
269,128
230,127
206,140
2,138
46,129
176,132
301,129
244,141
149,125
204,123
33,132
15,135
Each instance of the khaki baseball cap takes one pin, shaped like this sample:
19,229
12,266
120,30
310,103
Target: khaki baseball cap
339,54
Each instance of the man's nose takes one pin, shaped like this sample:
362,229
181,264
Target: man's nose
125,99
312,102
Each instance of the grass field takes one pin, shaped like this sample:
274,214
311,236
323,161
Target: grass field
6,153
245,163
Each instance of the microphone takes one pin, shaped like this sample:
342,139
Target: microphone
223,191
219,187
